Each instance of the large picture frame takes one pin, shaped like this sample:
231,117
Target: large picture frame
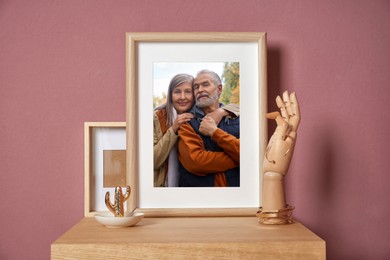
98,138
142,50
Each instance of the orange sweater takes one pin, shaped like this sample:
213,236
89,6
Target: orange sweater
199,161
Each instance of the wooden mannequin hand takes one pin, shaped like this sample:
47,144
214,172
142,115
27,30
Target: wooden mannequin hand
280,148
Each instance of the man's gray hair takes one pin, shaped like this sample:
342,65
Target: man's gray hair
214,76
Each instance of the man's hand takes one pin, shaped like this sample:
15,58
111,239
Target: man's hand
207,126
281,145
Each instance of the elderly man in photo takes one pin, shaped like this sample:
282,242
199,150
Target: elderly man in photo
209,155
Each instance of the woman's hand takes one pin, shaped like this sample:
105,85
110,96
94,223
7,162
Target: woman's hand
218,114
181,119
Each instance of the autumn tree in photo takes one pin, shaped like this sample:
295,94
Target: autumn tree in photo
231,83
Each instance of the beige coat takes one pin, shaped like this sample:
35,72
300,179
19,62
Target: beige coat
163,141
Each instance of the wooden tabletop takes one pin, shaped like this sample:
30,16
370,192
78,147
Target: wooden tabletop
186,237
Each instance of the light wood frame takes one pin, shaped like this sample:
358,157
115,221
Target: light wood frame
89,210
132,114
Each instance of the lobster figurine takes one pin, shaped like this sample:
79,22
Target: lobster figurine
117,208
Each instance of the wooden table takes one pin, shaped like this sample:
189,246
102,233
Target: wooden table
189,237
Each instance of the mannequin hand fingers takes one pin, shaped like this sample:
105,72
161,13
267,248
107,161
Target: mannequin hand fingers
272,115
281,106
287,103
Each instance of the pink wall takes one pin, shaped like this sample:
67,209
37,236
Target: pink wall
63,63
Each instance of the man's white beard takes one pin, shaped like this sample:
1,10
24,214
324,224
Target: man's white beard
208,102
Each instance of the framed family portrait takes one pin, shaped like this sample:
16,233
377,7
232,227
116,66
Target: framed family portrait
152,61
104,162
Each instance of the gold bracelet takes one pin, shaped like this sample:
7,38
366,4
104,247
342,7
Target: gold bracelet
276,217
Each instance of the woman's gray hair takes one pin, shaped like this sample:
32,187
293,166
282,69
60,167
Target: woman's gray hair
175,82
